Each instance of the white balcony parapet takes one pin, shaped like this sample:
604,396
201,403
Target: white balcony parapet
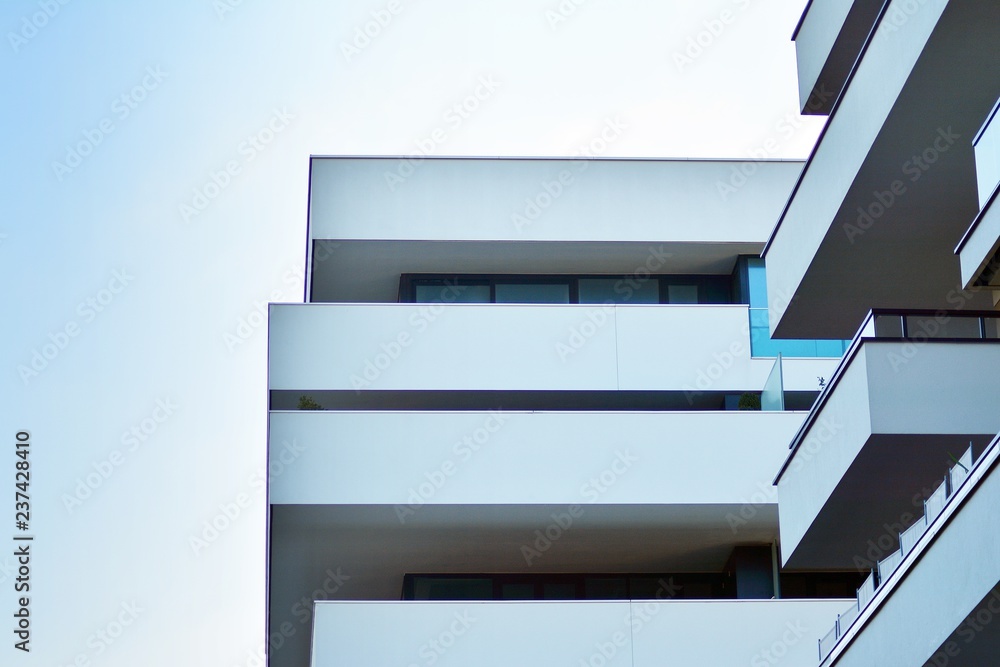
497,347
627,633
987,147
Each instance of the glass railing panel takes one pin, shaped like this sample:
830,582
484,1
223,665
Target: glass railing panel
888,326
848,617
888,565
961,470
867,591
827,643
931,326
909,537
935,503
772,398
762,345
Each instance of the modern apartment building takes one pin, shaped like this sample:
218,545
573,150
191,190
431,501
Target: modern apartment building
556,411
505,427
891,235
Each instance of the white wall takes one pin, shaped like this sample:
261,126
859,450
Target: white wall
520,347
610,634
527,457
849,137
815,41
598,200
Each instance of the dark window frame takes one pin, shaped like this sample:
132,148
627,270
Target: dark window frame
709,285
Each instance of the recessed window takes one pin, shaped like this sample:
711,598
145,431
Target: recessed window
619,290
448,292
532,293
682,293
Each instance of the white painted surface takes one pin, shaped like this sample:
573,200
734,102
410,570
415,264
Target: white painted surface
575,200
612,634
468,458
988,160
849,137
980,246
815,40
888,388
521,347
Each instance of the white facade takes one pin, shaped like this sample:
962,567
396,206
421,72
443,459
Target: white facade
534,441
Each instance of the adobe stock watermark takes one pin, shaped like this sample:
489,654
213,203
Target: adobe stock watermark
599,317
390,351
927,328
766,494
453,118
913,169
562,12
639,615
248,150
899,14
131,440
551,190
591,491
436,647
121,108
87,311
786,128
772,654
256,318
711,31
225,7
302,610
725,360
968,630
32,24
101,640
366,33
463,451
821,433
230,511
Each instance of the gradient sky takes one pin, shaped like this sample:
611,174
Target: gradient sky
132,303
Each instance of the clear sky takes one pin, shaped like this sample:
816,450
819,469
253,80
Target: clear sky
155,179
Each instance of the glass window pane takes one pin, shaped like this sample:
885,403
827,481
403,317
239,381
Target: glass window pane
758,282
993,327
518,592
682,294
532,293
605,588
447,588
619,290
888,326
559,591
452,293
919,326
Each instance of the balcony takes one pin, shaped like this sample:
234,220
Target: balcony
940,593
612,634
684,354
828,39
909,394
978,249
525,216
513,458
891,184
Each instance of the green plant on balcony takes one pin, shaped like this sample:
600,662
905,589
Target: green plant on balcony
749,400
307,403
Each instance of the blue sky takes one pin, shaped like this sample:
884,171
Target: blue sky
156,182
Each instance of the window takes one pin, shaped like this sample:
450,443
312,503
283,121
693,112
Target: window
617,290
